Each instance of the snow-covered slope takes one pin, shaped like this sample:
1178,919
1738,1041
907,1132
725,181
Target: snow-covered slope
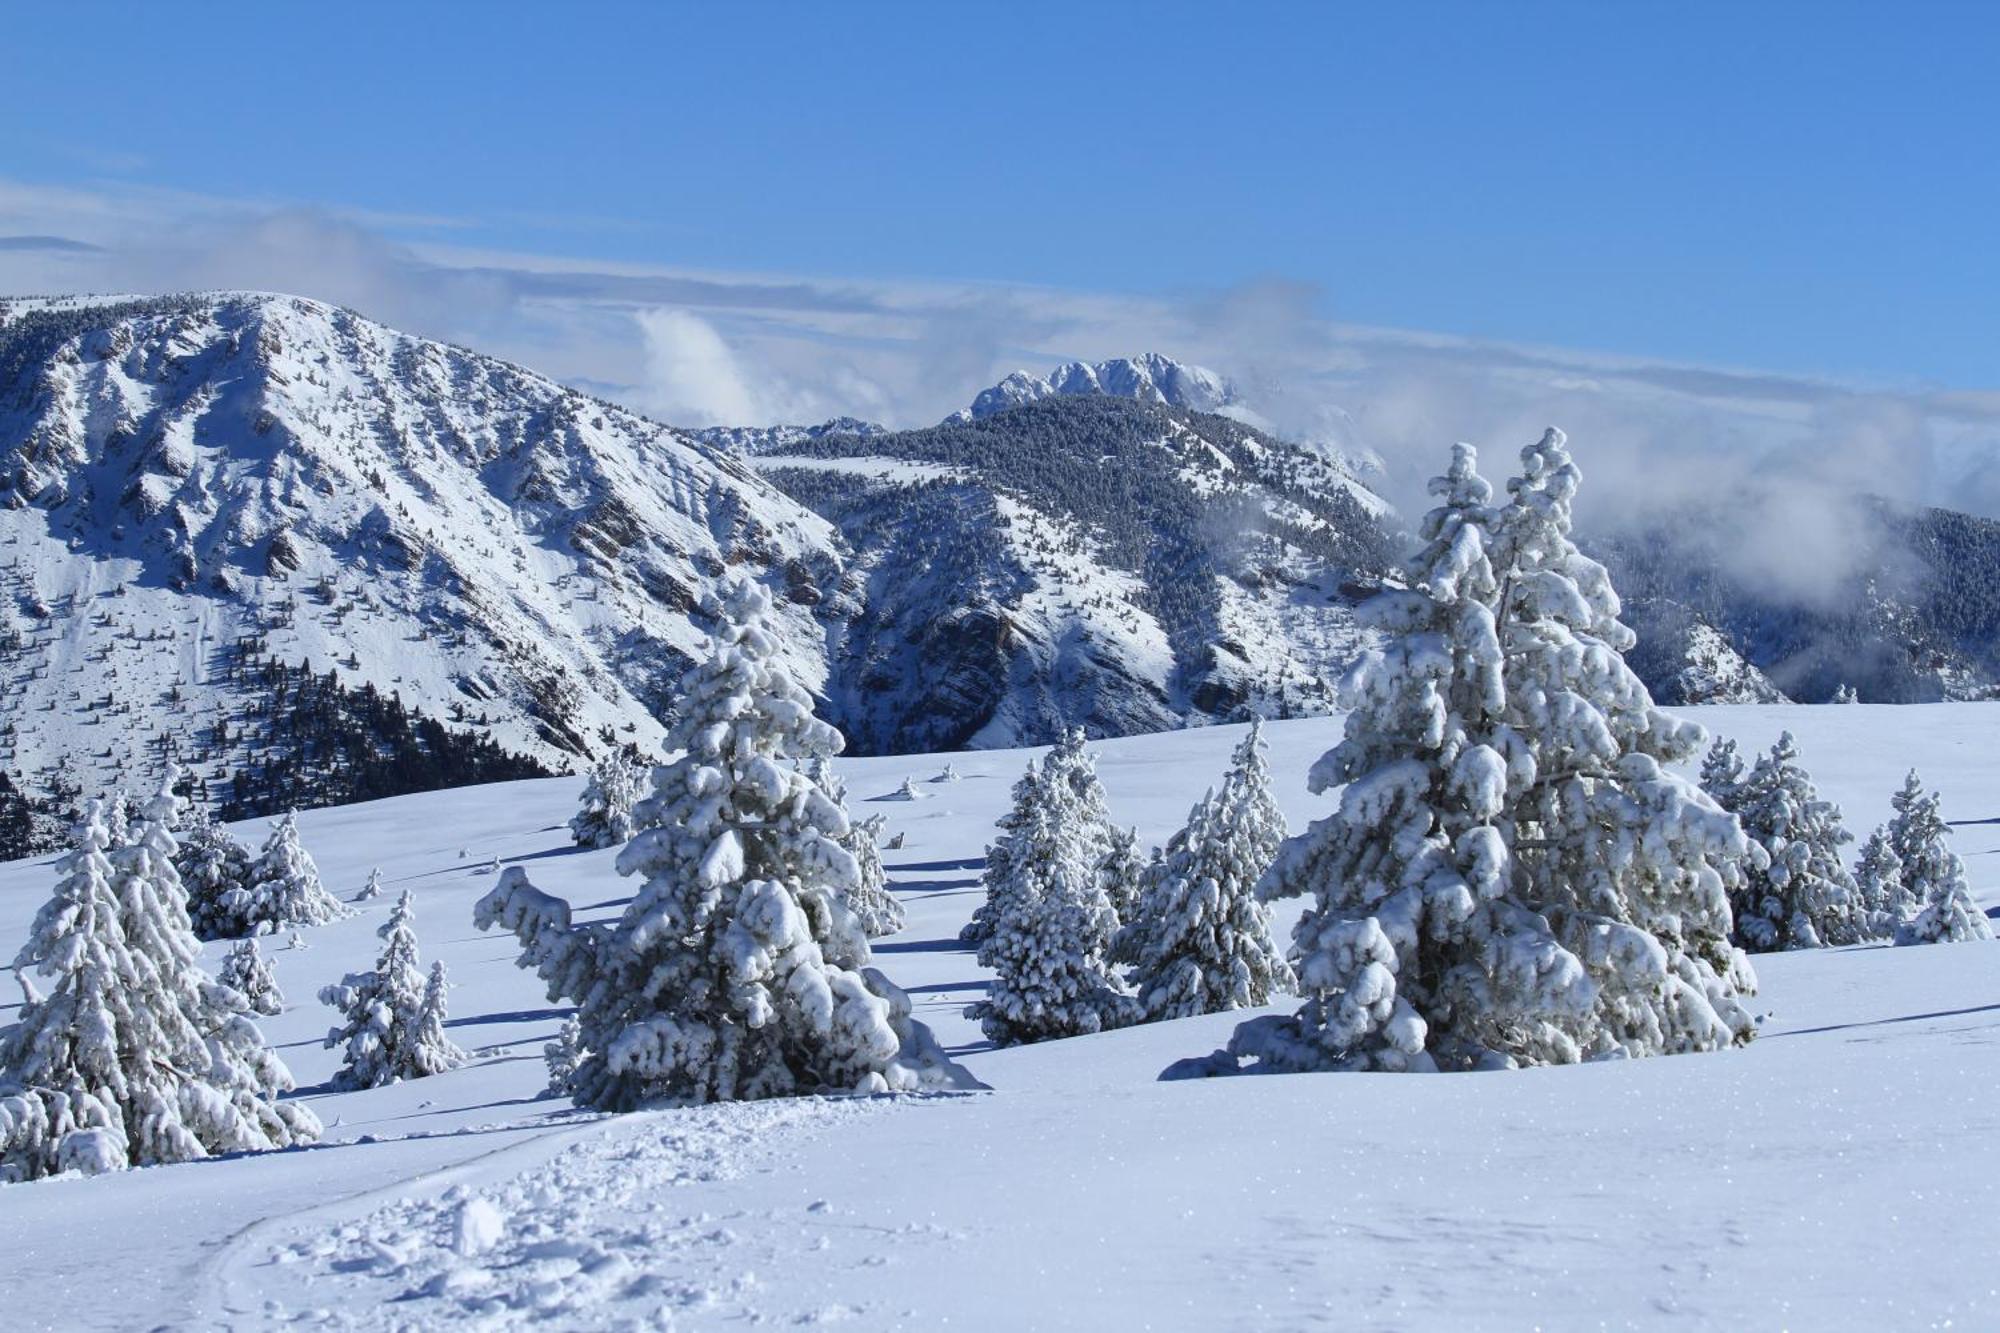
764,439
1150,378
1830,1175
190,480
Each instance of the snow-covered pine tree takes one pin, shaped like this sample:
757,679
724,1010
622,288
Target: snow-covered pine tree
436,1052
245,971
1799,894
373,888
1051,928
1248,770
1120,871
874,907
1512,876
604,813
995,878
563,1055
1844,693
1722,774
284,888
212,867
720,980
1942,907
118,820
870,900
1878,886
1206,938
384,1032
132,1055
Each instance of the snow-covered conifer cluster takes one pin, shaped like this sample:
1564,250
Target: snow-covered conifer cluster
1797,894
127,1053
1934,904
1049,920
280,889
215,870
394,1026
245,970
737,970
1513,876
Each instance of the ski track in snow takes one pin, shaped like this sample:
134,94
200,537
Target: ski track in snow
606,1224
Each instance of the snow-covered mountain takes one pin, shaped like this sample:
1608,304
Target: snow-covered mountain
764,439
1150,378
198,488
1097,560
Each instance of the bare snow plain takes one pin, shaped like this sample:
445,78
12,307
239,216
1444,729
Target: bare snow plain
1836,1174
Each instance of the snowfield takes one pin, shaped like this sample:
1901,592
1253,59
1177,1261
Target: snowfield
1834,1174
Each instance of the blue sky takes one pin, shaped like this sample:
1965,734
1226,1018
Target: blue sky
1806,189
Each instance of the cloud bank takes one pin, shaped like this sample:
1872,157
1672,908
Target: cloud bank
699,348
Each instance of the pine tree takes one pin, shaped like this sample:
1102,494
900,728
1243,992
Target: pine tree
373,888
1249,771
1051,928
214,869
1120,870
1797,895
995,878
1512,875
245,971
284,888
435,1052
721,980
1722,774
389,1031
563,1056
874,907
1205,938
133,1055
604,814
1942,909
1878,885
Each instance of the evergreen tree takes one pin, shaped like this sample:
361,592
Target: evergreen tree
373,888
874,907
563,1056
1120,870
283,890
1878,885
604,814
245,971
435,1052
1248,770
214,870
1206,938
1797,895
1051,927
132,1056
720,981
1512,876
390,1033
995,878
1722,774
1941,907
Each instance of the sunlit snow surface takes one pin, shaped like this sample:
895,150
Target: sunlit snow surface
1836,1174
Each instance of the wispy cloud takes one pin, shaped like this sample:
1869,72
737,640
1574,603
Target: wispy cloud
748,348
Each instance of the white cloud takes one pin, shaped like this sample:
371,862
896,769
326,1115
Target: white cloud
696,347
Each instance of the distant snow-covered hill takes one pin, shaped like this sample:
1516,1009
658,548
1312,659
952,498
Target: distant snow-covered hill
1087,559
194,486
1150,378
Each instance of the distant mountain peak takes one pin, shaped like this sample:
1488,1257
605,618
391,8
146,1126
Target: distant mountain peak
1148,378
